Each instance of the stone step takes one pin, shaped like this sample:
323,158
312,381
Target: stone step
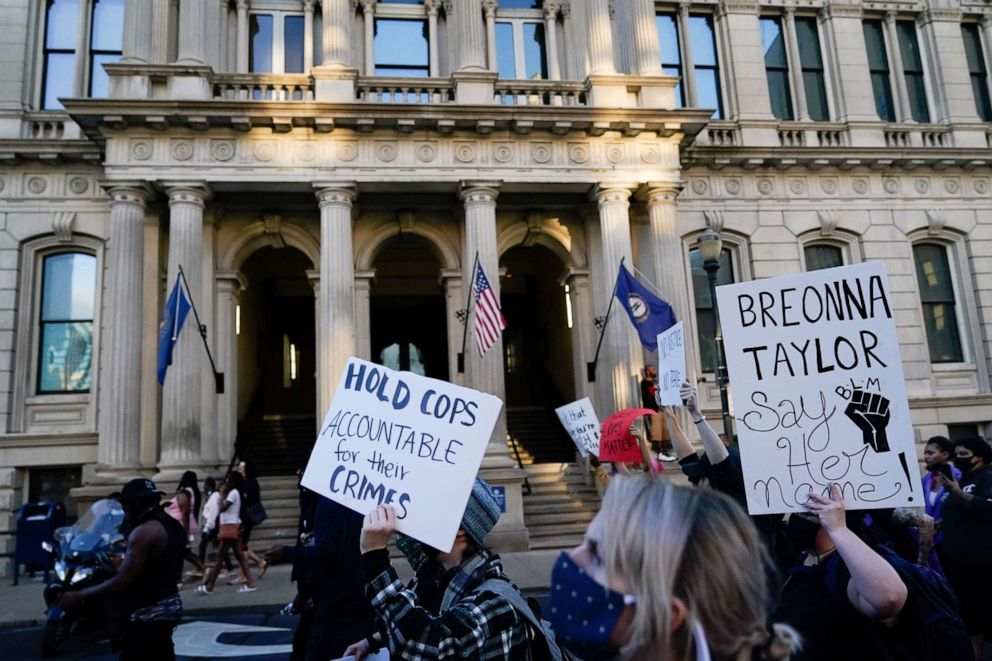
553,529
563,542
554,517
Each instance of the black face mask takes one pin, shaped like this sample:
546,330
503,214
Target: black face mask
964,464
802,532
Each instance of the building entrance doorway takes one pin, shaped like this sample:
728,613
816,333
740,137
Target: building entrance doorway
537,346
407,309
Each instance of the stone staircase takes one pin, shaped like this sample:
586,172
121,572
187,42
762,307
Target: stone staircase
280,496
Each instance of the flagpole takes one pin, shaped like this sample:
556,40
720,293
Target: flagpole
591,367
639,272
468,309
218,376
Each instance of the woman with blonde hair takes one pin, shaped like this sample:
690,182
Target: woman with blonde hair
684,574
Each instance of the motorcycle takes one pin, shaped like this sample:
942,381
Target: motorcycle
85,553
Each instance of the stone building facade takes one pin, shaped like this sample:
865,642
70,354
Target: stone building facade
327,172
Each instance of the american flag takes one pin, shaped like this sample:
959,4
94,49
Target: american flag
489,321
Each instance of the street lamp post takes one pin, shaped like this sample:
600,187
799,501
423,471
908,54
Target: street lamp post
710,248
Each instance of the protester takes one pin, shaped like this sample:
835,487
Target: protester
330,590
653,426
251,512
229,535
443,614
937,458
665,572
967,543
209,521
184,507
152,566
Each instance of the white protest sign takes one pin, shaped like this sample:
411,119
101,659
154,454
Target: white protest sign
818,389
406,440
580,421
671,365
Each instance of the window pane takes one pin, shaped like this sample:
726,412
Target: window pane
108,25
60,24
917,97
99,81
59,75
773,43
983,104
909,47
505,63
671,57
401,48
883,96
534,52
808,40
703,303
65,358
979,73
942,333
293,40
878,60
823,257
68,287
778,91
703,42
816,96
708,91
933,276
260,44
517,4
933,273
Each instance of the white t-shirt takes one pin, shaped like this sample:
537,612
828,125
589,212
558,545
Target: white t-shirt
211,509
233,513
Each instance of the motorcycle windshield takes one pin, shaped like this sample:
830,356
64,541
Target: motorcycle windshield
101,522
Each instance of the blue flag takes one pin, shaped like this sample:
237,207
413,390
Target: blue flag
649,314
176,309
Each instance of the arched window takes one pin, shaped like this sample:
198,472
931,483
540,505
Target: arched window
822,256
939,302
65,323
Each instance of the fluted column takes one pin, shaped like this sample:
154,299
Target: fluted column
621,356
368,18
308,35
137,32
666,251
484,373
471,33
551,9
192,32
120,359
363,314
647,49
489,9
229,288
336,298
583,330
181,403
337,15
432,7
242,46
600,37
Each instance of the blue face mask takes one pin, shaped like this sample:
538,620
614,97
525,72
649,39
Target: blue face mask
583,612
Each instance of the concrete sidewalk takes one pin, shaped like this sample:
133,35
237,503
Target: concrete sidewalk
24,605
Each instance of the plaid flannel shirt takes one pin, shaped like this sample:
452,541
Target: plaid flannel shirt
471,625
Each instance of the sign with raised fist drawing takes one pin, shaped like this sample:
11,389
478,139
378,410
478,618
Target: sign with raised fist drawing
818,389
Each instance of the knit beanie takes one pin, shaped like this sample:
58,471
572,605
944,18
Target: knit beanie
481,513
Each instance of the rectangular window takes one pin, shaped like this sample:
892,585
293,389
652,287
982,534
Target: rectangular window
521,52
65,348
401,48
293,27
506,61
811,62
933,273
705,321
260,43
534,52
671,56
776,67
878,67
977,70
106,42
822,257
912,64
61,24
707,67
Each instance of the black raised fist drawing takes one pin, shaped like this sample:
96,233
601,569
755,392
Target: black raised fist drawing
870,412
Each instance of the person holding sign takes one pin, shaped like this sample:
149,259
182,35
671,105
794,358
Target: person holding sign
443,614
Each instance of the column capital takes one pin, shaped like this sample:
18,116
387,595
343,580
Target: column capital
128,192
789,13
368,6
309,5
231,281
336,194
890,17
433,7
189,192
725,7
604,194
551,9
841,10
489,7
242,5
659,192
479,192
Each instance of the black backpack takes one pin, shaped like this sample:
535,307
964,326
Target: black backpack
543,645
930,619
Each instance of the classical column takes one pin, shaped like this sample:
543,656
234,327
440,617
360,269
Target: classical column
120,374
308,35
551,9
368,18
471,35
897,75
688,64
986,24
433,7
192,32
137,32
363,314
454,300
583,330
647,50
161,31
600,37
621,357
795,65
242,20
337,17
489,7
336,299
666,251
229,288
181,402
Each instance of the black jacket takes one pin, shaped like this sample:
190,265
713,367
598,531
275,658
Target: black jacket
968,525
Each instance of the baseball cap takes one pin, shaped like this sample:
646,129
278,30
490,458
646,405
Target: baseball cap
138,488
